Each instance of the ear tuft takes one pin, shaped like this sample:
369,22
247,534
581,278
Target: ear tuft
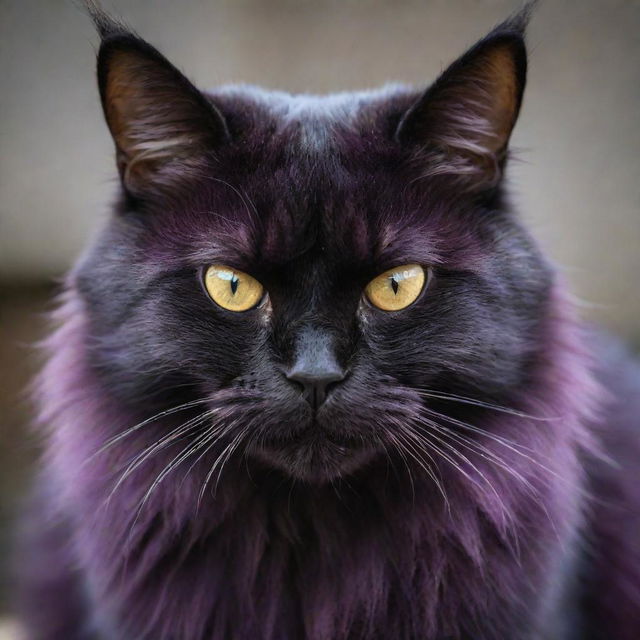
518,21
461,125
105,24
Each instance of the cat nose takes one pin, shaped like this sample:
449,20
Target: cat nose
316,368
315,383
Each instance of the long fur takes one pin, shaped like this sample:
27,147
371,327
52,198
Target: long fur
449,485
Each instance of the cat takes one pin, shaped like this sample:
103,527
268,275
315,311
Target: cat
314,380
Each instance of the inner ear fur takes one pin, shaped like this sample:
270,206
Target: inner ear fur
162,126
461,125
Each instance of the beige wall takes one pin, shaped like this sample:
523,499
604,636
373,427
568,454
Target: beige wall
578,183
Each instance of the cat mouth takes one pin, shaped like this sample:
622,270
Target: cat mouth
316,455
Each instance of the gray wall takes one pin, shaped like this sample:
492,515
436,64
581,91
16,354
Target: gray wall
578,182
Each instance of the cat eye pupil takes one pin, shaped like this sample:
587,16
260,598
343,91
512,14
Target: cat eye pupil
223,286
398,288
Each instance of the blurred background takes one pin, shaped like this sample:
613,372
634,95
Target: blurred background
577,181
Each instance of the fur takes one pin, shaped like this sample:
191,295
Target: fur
447,488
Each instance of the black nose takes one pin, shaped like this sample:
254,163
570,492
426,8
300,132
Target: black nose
315,383
315,367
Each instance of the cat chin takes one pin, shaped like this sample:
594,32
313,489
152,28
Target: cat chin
315,458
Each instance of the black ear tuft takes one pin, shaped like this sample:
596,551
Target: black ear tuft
518,21
164,129
461,125
105,24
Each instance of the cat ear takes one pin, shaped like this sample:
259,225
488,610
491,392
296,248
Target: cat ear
162,126
461,125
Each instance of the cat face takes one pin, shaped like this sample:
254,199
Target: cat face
317,270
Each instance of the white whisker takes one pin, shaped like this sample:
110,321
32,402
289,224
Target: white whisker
146,421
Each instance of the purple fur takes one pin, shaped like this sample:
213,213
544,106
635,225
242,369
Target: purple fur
380,559
340,524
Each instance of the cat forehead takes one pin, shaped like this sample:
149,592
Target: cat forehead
313,117
299,105
339,224
317,174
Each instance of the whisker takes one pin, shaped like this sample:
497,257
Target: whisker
208,444
185,453
229,448
158,446
418,441
492,457
480,450
485,432
402,454
505,512
508,444
162,414
415,454
441,395
233,448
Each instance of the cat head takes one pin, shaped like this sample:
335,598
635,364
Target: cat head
316,270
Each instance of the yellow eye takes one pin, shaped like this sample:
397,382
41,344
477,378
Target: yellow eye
232,289
397,288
